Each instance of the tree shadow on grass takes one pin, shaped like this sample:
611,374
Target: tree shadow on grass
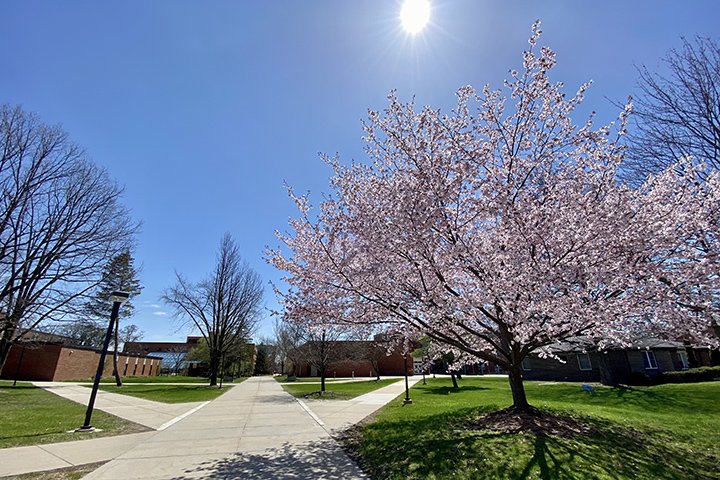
320,459
17,387
447,390
456,447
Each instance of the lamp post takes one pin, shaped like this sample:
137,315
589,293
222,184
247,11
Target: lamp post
407,388
118,298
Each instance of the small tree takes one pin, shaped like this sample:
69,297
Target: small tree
120,274
225,307
375,352
322,345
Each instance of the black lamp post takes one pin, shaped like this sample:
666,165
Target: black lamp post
407,388
118,298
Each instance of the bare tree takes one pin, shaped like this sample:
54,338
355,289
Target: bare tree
61,220
288,338
130,333
225,307
677,114
322,346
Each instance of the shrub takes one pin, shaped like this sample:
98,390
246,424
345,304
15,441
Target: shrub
701,374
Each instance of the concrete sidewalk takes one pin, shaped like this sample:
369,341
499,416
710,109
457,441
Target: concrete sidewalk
40,458
339,414
254,431
155,415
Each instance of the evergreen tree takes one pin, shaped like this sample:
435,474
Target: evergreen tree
261,361
119,275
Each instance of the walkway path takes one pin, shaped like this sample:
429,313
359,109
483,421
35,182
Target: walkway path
40,458
339,414
254,431
155,415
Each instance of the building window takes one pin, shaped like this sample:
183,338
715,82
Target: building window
682,354
649,360
525,365
584,361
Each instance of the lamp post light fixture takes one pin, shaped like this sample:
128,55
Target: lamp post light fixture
117,299
407,388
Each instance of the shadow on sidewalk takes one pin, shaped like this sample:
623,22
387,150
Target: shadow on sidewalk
322,459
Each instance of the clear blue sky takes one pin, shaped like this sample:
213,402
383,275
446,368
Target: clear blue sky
203,109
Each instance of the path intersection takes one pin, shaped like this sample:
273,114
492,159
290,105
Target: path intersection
256,430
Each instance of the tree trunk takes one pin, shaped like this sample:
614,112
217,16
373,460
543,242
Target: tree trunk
116,373
213,370
607,375
520,403
454,380
322,380
5,346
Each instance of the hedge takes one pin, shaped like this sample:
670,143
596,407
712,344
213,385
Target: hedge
701,374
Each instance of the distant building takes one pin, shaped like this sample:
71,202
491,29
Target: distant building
44,356
175,357
359,358
173,354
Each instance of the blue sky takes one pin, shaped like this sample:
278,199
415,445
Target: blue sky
203,109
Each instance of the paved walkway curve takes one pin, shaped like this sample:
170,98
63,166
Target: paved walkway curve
254,431
155,415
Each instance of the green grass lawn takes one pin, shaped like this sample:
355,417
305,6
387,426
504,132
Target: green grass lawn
283,379
157,379
32,416
660,432
337,391
170,393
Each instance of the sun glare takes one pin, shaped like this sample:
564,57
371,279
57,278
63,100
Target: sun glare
414,15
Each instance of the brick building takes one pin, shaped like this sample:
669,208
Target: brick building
359,359
58,361
641,362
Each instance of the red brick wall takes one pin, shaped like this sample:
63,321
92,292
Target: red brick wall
390,365
38,362
58,363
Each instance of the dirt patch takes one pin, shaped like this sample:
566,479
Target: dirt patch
328,395
536,421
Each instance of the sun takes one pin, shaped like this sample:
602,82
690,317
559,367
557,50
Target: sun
414,15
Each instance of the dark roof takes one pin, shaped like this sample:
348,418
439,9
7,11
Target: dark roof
582,344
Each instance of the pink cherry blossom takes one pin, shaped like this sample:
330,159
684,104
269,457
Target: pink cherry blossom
500,228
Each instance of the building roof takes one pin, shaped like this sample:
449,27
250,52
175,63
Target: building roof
582,344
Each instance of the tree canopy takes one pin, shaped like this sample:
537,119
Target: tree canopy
501,228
